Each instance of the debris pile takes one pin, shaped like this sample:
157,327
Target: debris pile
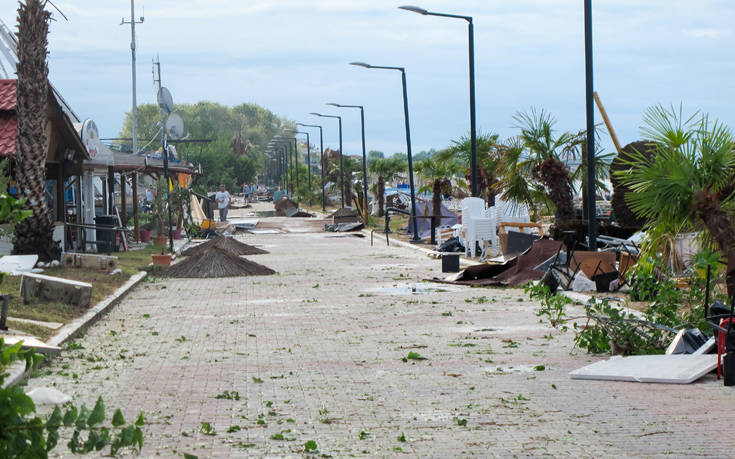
217,262
229,244
345,215
287,208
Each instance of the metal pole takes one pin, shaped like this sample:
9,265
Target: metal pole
321,157
591,192
282,176
290,168
308,161
132,52
416,237
165,166
473,125
135,103
296,159
341,172
364,166
168,190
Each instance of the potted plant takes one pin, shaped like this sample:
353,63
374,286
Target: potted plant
179,204
146,227
160,212
164,259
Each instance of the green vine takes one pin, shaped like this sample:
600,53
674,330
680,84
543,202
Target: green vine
613,329
23,434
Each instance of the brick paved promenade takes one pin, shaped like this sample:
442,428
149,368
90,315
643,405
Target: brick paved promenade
315,353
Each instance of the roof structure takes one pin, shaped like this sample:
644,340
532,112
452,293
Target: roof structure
8,118
129,162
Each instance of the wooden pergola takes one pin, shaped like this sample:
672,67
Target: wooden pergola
129,165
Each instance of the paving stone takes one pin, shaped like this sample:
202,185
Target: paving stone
315,353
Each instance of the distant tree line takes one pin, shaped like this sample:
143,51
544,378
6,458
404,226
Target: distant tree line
238,135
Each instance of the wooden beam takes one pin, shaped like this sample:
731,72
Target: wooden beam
110,190
610,129
79,218
60,194
135,207
123,199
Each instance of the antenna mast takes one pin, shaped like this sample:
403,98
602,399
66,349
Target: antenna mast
132,23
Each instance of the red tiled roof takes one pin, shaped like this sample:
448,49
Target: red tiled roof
8,133
8,101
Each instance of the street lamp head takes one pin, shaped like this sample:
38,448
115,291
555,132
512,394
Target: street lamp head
334,104
361,64
414,9
315,114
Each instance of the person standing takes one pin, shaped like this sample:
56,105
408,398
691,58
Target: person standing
223,202
246,192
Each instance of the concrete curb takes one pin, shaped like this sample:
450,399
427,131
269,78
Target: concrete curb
17,372
417,247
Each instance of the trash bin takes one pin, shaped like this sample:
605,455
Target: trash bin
450,263
106,242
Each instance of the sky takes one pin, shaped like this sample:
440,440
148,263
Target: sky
292,57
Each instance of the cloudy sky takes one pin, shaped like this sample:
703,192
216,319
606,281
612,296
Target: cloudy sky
291,57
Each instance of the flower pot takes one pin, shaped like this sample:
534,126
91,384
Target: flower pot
160,241
178,234
162,260
145,235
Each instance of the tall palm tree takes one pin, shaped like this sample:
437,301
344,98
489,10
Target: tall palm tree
533,168
387,169
488,159
437,172
516,178
34,235
545,153
688,177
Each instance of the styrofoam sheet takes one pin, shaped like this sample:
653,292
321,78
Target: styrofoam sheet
265,231
244,223
17,264
665,369
30,342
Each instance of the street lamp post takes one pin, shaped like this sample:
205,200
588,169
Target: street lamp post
308,160
288,164
364,155
341,173
296,154
416,238
473,124
588,64
321,149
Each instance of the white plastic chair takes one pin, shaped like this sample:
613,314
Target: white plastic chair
479,225
507,212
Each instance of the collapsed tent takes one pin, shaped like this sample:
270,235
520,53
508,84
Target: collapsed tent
423,212
518,271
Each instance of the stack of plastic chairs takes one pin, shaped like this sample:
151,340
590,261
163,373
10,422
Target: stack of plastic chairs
478,223
508,212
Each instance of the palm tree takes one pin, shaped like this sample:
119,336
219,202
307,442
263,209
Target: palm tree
34,235
533,166
688,178
438,172
516,178
488,160
545,153
387,169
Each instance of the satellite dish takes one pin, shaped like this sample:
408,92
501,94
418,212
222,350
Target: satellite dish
175,126
165,100
90,138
